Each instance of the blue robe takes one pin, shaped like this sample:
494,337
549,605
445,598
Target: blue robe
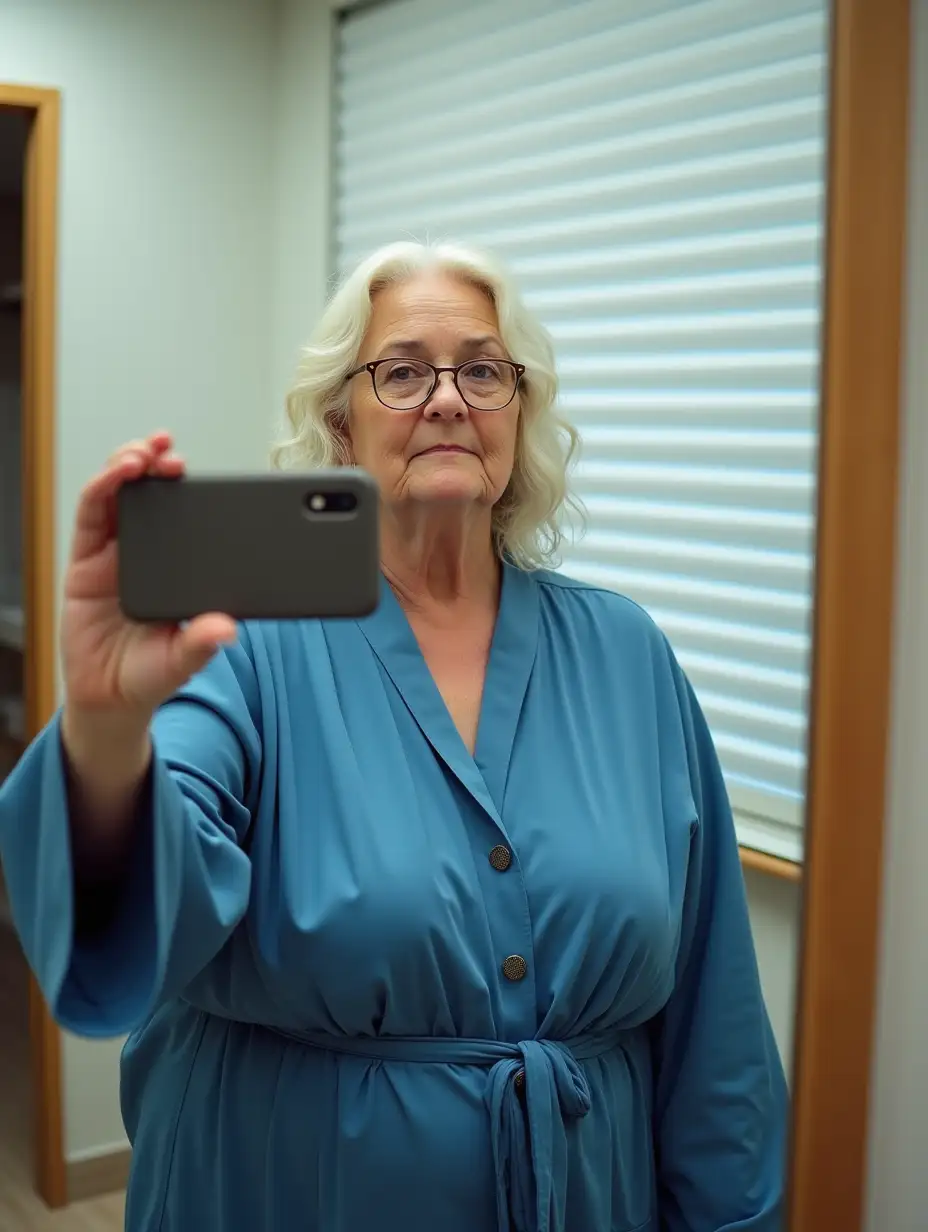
374,982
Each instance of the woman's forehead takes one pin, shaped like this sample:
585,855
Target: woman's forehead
432,299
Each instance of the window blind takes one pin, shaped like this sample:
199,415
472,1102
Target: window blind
654,175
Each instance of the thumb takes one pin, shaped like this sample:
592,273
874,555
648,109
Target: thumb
198,641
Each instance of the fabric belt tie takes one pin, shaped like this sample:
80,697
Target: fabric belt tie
530,1161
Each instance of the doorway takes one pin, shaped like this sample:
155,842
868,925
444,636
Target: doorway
34,1175
15,1162
30,1067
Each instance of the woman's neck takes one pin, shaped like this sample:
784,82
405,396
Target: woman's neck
440,562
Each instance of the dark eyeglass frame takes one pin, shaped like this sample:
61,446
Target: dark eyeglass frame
372,367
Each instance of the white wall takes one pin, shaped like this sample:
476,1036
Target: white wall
775,906
302,180
898,1192
195,189
165,259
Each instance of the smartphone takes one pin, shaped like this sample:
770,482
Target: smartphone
257,547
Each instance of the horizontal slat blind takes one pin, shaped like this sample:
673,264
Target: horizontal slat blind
653,172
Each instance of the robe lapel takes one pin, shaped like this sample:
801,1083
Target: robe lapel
393,642
512,655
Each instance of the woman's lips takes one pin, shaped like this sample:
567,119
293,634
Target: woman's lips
444,449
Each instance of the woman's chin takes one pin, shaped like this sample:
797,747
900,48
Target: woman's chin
447,490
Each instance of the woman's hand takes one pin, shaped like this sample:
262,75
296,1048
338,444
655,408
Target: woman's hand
115,669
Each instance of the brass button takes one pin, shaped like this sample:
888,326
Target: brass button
500,858
515,968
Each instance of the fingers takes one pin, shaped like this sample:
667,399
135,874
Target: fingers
210,630
128,462
152,456
197,642
93,523
152,446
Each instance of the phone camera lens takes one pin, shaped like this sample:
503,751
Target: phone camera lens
331,502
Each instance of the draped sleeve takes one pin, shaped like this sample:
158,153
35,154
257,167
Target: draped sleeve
721,1105
188,879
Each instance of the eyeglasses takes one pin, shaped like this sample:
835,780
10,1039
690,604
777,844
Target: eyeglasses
404,384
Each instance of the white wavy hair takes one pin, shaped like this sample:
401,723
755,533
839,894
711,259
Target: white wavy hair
530,519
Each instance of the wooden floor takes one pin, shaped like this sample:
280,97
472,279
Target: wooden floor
20,1209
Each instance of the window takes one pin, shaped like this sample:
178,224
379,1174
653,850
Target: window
654,174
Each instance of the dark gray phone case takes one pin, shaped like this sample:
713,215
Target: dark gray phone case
253,546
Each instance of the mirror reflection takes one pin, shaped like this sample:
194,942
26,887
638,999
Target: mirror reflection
426,818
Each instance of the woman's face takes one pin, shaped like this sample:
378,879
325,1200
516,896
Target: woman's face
441,453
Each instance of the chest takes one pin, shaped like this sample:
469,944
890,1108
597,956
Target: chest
372,852
458,665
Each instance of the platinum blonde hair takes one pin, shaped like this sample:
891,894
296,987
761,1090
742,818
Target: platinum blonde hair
530,518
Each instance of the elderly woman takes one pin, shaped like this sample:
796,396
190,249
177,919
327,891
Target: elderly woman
427,922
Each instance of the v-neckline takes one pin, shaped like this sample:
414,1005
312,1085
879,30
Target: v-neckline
509,667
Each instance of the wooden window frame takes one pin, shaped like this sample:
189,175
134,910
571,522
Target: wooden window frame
868,154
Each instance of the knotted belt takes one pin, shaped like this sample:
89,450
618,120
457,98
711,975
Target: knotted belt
530,1161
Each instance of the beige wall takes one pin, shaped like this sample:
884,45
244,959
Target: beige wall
195,188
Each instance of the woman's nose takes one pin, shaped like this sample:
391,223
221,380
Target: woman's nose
446,402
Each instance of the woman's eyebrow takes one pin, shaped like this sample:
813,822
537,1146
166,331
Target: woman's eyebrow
403,346
482,343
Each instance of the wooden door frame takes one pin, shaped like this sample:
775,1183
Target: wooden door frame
39,316
863,349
